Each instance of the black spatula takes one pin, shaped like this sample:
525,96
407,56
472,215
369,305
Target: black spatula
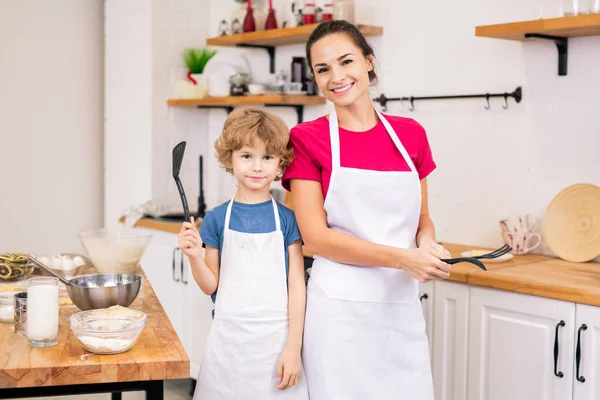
178,152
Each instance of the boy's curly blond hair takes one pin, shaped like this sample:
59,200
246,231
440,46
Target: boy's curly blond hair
244,125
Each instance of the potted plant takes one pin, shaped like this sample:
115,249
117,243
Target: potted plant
195,60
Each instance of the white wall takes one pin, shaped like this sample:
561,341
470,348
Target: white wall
51,79
490,163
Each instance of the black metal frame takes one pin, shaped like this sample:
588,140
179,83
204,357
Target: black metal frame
298,107
517,94
562,45
269,49
154,390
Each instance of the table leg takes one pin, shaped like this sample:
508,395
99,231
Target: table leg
116,396
154,390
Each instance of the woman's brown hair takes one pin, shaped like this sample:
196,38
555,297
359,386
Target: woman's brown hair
340,26
244,125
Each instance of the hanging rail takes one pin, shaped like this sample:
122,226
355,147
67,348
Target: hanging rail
517,95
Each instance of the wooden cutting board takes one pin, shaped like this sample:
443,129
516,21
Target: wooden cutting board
572,223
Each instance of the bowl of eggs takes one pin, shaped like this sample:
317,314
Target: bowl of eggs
66,263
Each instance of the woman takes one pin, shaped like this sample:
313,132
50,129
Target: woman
359,189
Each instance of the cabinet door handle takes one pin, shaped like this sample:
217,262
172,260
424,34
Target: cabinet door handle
174,254
578,353
182,279
557,373
423,297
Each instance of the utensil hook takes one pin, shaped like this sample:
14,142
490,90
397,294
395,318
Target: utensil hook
412,104
505,106
487,98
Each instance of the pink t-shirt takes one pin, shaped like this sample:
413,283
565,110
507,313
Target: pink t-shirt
372,149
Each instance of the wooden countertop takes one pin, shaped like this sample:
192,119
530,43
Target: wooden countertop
158,354
536,275
165,226
533,274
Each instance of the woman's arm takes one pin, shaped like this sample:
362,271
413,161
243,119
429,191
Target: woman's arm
426,229
307,198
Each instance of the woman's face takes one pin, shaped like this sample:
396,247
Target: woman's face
341,71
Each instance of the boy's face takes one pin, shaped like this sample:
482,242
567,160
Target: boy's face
253,167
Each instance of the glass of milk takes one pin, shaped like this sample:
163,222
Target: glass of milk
42,311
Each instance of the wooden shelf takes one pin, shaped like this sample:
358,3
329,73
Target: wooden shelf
280,37
232,101
576,26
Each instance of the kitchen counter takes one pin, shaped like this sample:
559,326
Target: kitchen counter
536,275
67,366
533,274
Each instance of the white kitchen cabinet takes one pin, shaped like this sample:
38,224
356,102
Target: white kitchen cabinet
586,382
450,340
426,297
188,309
512,342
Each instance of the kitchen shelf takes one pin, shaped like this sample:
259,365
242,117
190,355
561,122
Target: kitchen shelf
269,39
281,36
271,100
557,30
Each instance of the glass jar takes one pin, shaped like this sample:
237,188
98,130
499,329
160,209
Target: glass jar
343,10
7,307
309,13
327,11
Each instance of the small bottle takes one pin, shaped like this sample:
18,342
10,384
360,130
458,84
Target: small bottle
308,13
327,11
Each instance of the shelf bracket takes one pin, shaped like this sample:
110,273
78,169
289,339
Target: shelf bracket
227,109
299,109
269,49
562,44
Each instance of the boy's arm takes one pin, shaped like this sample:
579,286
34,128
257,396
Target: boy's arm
296,295
206,271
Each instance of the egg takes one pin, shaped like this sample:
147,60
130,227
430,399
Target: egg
78,261
68,264
56,262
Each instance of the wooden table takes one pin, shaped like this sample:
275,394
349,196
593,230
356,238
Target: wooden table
68,369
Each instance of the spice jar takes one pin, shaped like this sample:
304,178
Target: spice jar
309,13
327,11
343,10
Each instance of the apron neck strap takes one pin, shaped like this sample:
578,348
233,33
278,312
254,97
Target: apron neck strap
334,135
275,211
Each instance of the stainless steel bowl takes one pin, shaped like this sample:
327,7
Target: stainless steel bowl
91,292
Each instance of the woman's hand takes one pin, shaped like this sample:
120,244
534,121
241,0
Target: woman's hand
433,248
189,241
424,263
289,367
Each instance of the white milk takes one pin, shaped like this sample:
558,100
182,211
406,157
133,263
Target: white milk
42,312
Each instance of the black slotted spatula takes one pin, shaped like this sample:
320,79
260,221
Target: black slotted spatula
178,152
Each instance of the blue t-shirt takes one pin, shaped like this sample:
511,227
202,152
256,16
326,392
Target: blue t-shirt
249,218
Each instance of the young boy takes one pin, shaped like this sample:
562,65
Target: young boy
253,256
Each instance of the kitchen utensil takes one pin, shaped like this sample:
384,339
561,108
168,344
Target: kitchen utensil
572,223
107,332
178,152
471,260
201,204
501,259
475,259
98,291
116,250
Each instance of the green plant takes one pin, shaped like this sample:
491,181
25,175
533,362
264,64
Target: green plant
196,59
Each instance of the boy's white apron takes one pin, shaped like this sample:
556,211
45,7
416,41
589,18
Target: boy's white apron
365,332
250,327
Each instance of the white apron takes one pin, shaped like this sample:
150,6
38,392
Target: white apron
250,328
365,332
